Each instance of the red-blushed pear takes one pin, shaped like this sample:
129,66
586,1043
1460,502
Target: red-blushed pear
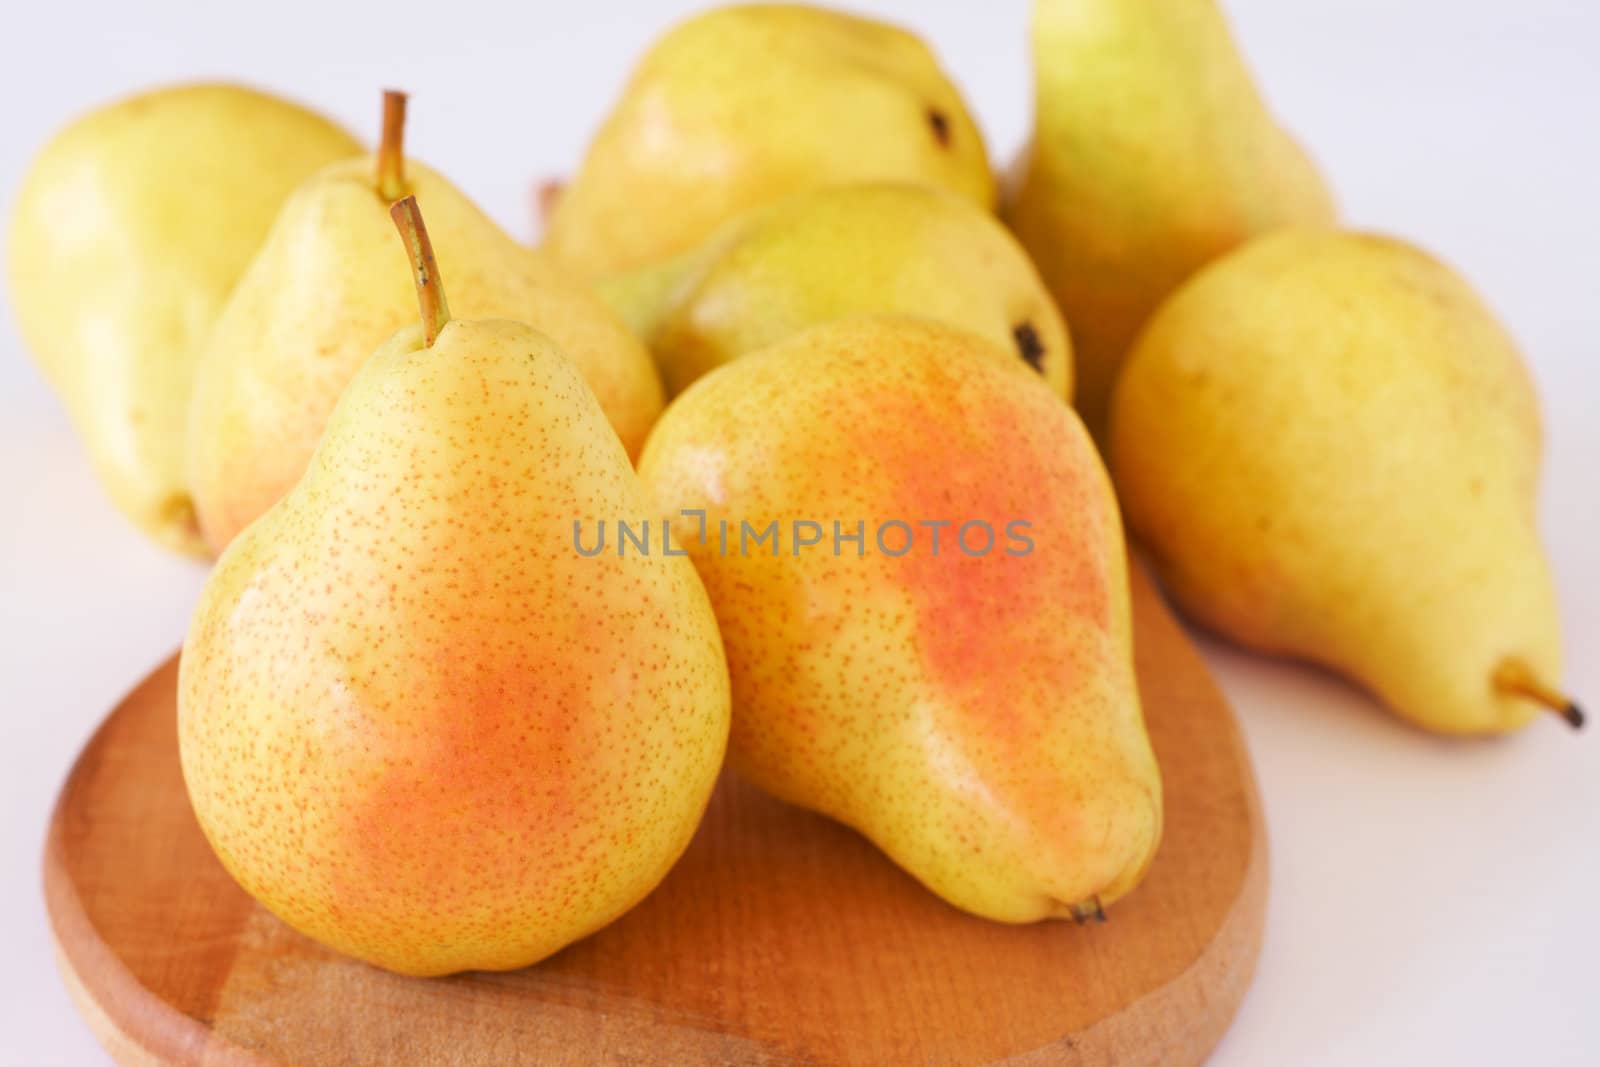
329,285
963,693
415,722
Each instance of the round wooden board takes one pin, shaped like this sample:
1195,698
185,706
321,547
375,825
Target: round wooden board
779,938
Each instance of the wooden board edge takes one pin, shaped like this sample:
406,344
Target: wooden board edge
1177,1024
134,1025
1213,988
1221,976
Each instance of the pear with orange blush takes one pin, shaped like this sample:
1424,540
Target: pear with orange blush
918,567
414,722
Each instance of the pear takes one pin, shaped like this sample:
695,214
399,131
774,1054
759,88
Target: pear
413,721
744,105
329,285
1332,450
841,251
1152,154
963,694
130,230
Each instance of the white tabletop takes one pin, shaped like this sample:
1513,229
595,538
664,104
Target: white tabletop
1432,902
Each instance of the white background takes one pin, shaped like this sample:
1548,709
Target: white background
1433,902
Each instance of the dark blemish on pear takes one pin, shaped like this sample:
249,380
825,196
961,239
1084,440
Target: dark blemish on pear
1029,346
941,126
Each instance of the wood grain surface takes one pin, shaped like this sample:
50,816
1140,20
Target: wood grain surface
779,938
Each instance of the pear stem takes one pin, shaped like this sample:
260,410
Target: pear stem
424,268
1514,677
545,195
392,147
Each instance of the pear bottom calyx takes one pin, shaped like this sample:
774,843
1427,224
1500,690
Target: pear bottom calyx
1086,911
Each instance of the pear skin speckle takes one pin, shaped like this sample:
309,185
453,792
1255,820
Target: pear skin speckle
973,713
329,285
414,722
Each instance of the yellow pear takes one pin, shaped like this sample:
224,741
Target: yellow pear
1332,450
744,105
414,722
329,285
876,247
131,228
917,564
1152,153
